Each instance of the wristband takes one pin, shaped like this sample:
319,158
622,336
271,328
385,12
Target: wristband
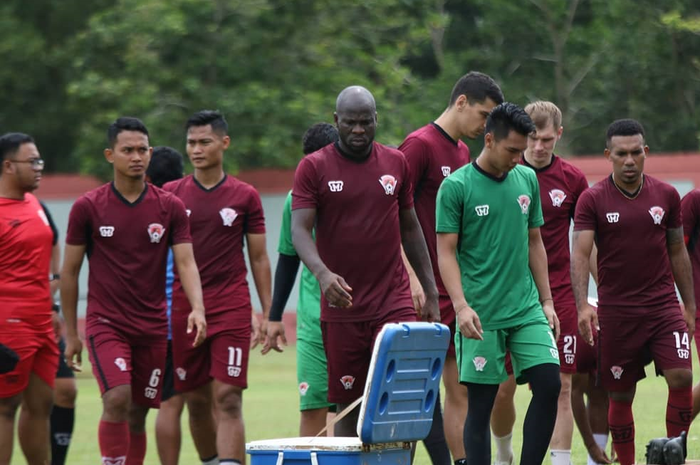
54,277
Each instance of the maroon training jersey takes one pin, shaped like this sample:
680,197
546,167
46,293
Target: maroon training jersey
127,246
634,269
357,226
432,155
561,185
690,206
220,217
26,240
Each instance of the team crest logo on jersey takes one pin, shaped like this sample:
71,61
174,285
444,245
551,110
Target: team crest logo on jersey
481,210
43,217
558,196
616,371
479,363
228,215
446,170
114,460
613,217
106,231
657,214
181,373
335,186
524,202
347,381
121,363
388,182
303,387
156,232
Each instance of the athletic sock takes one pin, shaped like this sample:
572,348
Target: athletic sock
560,457
137,449
461,461
114,441
602,441
213,460
62,420
621,424
545,381
678,411
504,448
229,462
435,442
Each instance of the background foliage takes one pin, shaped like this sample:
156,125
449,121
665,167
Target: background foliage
274,67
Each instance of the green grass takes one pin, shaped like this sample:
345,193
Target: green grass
271,411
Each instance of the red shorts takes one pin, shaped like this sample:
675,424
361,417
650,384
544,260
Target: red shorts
222,356
628,344
349,348
118,360
568,339
448,318
38,354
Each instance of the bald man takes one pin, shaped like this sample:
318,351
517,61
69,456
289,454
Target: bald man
358,195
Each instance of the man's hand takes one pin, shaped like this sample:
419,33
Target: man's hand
256,332
74,348
417,294
196,320
587,320
689,317
469,323
431,310
597,454
552,319
275,330
335,289
56,323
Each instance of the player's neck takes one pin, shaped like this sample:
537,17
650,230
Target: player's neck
537,164
129,188
485,164
448,122
9,190
209,177
631,190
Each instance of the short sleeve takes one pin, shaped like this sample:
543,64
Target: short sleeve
255,219
535,218
689,213
179,223
416,159
406,191
305,192
675,219
79,225
585,218
449,206
285,245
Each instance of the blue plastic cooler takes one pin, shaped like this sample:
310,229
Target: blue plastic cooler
397,406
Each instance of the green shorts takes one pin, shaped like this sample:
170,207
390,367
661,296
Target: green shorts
312,374
483,362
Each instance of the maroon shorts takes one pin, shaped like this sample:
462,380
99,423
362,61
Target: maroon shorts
627,344
118,359
587,356
448,318
568,339
697,334
348,347
38,354
222,356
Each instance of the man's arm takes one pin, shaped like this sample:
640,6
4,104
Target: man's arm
55,269
538,267
683,274
285,277
417,254
417,293
183,257
333,286
580,269
260,268
468,321
72,262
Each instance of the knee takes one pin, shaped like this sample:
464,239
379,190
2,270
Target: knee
9,406
679,378
137,418
65,393
229,402
566,388
198,403
545,381
117,401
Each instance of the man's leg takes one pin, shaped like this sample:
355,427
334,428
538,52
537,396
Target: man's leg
230,433
560,445
113,433
435,442
312,421
63,413
312,379
477,437
168,431
586,418
503,419
8,412
545,383
621,424
679,405
456,405
202,424
137,434
347,426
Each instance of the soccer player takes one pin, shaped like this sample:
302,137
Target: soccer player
126,227
433,152
494,266
167,165
311,358
635,221
358,195
223,212
25,302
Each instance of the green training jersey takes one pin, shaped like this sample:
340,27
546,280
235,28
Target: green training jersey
492,218
309,304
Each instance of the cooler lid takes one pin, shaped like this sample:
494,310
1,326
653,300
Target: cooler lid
403,382
336,444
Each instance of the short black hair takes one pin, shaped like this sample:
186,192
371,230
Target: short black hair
166,165
624,127
10,143
209,117
318,136
506,117
125,123
477,87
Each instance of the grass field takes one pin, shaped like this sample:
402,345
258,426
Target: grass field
271,411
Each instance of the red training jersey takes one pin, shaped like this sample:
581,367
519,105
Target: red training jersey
690,206
357,226
432,155
26,240
127,247
634,269
220,217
